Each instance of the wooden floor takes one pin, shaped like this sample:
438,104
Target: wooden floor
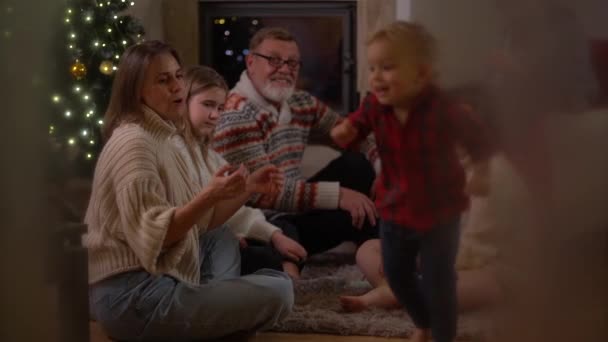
280,337
98,336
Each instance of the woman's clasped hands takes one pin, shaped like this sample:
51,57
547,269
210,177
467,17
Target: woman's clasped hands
231,181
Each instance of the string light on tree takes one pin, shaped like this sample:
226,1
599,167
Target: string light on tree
106,67
6,33
97,32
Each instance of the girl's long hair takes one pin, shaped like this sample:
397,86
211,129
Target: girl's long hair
199,78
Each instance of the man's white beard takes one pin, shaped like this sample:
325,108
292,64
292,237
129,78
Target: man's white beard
276,94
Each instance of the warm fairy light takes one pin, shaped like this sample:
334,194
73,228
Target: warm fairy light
101,19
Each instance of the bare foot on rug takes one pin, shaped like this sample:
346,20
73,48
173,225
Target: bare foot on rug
379,297
353,303
421,335
291,269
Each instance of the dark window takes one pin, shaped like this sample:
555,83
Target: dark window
325,32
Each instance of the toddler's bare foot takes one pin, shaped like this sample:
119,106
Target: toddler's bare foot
421,335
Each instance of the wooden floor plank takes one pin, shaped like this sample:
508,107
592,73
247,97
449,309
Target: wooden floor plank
97,335
282,337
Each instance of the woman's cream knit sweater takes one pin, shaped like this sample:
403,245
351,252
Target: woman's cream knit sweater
142,175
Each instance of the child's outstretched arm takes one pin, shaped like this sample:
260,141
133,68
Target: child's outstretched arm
344,133
351,130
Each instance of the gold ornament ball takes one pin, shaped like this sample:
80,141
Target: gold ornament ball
106,67
78,70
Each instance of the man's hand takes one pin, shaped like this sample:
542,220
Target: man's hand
359,206
288,247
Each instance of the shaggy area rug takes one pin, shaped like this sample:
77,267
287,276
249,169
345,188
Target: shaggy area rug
317,308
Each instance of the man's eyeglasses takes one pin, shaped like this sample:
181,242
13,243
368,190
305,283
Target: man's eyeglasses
278,62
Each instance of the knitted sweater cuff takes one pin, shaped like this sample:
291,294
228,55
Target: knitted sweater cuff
328,195
262,230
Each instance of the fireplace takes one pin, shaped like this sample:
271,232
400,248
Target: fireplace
325,31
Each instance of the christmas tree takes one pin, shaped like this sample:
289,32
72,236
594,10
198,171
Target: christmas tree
94,34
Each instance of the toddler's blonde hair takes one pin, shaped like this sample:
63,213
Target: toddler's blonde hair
412,38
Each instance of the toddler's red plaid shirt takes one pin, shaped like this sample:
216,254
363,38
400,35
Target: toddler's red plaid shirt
422,180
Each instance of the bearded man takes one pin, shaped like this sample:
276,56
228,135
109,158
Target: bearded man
268,121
